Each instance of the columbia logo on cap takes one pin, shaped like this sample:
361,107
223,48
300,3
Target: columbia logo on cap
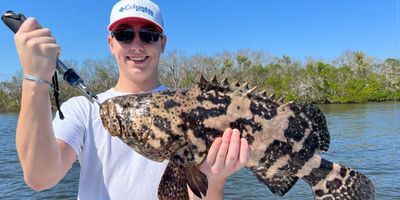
137,8
127,10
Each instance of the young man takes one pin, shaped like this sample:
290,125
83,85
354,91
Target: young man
109,168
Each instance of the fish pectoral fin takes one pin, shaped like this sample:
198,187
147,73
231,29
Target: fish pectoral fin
279,184
173,185
333,181
197,181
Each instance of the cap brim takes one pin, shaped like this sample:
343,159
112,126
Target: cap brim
130,19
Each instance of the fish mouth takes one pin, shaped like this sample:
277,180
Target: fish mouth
110,119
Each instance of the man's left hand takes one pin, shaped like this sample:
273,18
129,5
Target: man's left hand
225,157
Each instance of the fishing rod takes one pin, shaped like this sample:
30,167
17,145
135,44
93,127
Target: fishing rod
14,22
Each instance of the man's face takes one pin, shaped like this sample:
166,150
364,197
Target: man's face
137,58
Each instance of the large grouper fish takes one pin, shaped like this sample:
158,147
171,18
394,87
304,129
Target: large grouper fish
180,125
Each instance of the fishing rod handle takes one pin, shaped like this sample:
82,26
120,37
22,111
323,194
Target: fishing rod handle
12,20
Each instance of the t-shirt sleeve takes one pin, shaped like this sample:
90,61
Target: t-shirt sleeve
72,128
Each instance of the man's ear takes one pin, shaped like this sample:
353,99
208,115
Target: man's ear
110,43
163,43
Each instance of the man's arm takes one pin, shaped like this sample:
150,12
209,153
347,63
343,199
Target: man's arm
44,159
225,157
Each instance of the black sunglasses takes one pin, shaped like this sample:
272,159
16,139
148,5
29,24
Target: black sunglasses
127,35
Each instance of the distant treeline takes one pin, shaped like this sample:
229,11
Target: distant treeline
351,78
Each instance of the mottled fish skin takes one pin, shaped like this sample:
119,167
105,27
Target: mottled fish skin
180,126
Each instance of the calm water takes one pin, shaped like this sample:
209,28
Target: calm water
363,136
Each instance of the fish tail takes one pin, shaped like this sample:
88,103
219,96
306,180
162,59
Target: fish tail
333,181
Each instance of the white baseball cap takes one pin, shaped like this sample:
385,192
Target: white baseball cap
141,10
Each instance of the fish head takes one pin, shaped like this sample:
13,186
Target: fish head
137,122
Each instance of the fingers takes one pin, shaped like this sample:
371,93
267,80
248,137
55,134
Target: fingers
25,37
230,151
47,45
46,39
222,151
244,155
37,49
31,32
213,151
225,156
29,25
234,149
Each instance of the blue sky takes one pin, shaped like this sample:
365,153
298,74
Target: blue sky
309,28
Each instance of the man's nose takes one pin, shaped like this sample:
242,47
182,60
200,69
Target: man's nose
136,44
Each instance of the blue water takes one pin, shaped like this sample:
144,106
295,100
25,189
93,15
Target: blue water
365,137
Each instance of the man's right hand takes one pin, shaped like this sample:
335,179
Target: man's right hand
37,49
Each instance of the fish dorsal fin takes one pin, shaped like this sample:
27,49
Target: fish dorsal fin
197,181
225,82
206,85
236,88
212,85
214,80
173,185
203,83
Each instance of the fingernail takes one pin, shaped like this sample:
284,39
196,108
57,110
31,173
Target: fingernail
226,135
236,131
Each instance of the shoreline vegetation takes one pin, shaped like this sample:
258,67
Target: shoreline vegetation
353,77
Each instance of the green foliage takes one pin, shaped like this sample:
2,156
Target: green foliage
353,77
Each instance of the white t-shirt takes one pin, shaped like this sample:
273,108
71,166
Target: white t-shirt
110,169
